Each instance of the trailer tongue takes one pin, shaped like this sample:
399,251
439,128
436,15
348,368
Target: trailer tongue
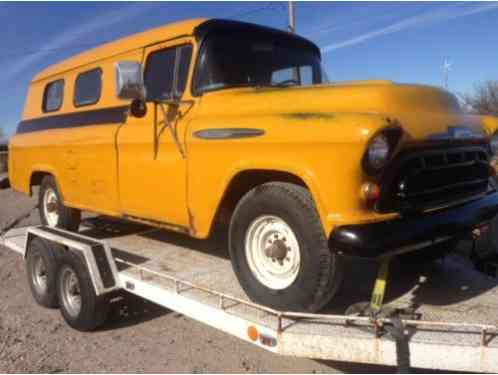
457,306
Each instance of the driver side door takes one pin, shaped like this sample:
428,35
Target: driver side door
151,162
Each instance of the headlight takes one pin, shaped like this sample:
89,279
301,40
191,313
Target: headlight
378,152
493,143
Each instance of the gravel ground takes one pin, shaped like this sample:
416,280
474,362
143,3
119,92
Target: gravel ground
139,336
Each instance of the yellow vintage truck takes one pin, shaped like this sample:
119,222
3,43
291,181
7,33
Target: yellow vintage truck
213,123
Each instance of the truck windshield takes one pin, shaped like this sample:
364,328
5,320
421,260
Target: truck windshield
239,60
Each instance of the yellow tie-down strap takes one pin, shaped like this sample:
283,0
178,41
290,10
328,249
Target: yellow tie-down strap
380,286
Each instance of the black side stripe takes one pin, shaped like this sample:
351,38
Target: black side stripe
113,115
228,133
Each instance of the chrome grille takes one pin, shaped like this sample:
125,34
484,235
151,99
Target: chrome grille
424,179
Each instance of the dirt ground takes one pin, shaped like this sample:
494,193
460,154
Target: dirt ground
138,337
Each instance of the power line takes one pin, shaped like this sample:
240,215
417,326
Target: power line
50,50
250,12
268,6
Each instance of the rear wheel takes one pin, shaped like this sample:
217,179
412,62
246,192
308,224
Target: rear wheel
81,308
41,267
53,213
279,251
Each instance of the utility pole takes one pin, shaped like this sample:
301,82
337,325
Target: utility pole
292,18
296,74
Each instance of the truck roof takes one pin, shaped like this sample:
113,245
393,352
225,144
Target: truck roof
198,27
122,45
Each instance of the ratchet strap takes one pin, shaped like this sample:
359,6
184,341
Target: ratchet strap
375,310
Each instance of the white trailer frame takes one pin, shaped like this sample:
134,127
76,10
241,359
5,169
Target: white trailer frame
273,334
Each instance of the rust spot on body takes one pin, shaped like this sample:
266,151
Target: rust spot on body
309,116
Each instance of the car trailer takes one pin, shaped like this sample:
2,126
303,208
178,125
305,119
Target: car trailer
456,305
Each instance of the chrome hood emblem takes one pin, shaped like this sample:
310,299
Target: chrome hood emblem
457,132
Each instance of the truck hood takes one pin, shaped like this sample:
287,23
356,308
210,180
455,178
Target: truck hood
422,111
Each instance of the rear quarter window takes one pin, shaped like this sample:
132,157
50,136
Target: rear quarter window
88,88
53,96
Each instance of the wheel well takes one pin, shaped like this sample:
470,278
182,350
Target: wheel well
36,179
242,183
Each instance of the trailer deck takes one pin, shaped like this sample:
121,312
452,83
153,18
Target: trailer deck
458,305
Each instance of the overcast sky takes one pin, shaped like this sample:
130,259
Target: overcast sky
404,42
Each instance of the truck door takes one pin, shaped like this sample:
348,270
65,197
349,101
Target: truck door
151,161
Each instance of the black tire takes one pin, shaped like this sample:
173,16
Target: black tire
487,243
69,218
320,272
93,309
42,285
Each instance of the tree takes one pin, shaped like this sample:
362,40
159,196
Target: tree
484,99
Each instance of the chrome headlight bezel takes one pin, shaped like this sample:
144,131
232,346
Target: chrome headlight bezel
376,154
380,149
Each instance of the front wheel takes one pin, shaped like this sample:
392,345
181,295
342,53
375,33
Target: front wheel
279,251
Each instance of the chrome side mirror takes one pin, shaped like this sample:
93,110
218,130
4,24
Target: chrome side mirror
129,80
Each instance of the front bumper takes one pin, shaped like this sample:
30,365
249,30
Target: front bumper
387,238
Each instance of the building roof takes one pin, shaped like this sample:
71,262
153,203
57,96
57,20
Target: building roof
122,45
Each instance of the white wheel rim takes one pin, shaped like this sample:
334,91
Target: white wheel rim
71,295
272,252
40,277
50,203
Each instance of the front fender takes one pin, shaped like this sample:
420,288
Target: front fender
324,151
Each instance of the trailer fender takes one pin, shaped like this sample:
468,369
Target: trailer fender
96,254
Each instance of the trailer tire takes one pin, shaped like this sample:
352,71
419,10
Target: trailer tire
80,307
53,213
283,216
41,268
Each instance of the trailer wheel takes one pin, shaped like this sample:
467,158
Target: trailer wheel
279,251
41,268
80,307
53,213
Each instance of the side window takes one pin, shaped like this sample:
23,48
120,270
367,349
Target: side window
166,72
159,74
53,95
185,55
88,88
